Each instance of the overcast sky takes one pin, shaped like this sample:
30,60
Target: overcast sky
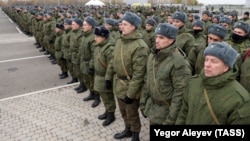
240,2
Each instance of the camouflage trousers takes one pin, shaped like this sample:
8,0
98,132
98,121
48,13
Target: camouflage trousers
130,114
70,69
108,99
88,81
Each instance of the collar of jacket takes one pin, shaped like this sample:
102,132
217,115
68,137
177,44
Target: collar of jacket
151,30
163,53
60,33
88,33
78,30
219,81
68,30
132,36
183,29
103,43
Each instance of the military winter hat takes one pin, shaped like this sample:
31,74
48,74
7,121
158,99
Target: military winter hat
40,14
217,29
132,18
242,25
110,21
60,26
68,21
206,12
91,21
101,31
151,21
167,30
50,13
180,16
222,51
225,20
198,23
78,21
197,17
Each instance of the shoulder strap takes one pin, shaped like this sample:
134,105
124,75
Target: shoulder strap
101,61
124,65
210,108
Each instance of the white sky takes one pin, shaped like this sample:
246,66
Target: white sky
238,2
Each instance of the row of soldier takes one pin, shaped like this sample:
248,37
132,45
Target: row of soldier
157,68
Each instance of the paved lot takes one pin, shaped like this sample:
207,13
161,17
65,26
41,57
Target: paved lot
42,114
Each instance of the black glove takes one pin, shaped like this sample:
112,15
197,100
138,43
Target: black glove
91,71
143,114
108,84
128,100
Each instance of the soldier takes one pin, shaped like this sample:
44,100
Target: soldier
127,69
205,19
167,75
59,29
245,17
110,24
198,33
214,96
149,36
75,39
216,19
244,70
102,55
184,39
216,33
226,22
86,53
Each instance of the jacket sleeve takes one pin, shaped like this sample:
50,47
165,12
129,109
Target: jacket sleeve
181,74
110,69
92,51
139,68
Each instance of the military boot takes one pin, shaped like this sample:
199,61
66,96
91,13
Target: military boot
135,136
78,87
90,97
124,134
103,116
97,100
46,53
60,74
65,75
110,118
74,80
42,49
82,88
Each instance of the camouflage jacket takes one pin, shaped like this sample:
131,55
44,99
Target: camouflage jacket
75,40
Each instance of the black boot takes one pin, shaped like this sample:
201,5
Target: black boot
74,80
97,101
124,134
103,116
54,61
65,75
135,136
46,53
60,74
90,97
42,49
110,118
79,86
82,88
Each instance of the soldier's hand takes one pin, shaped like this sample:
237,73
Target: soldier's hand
128,100
143,114
108,84
91,71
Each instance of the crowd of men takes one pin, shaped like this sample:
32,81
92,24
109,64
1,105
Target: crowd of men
172,66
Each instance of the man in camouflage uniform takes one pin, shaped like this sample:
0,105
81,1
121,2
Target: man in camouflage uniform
226,22
110,24
166,78
149,36
86,53
214,97
184,39
102,55
127,69
207,22
200,37
59,29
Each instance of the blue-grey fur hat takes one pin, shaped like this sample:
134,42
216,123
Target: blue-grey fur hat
206,12
197,17
132,18
242,25
110,21
50,13
151,21
222,51
225,20
91,21
180,16
198,23
78,21
68,21
167,30
217,29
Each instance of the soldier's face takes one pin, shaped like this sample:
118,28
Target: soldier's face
149,27
178,23
67,26
240,32
99,39
204,17
213,38
214,66
86,27
162,41
108,26
127,27
75,26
